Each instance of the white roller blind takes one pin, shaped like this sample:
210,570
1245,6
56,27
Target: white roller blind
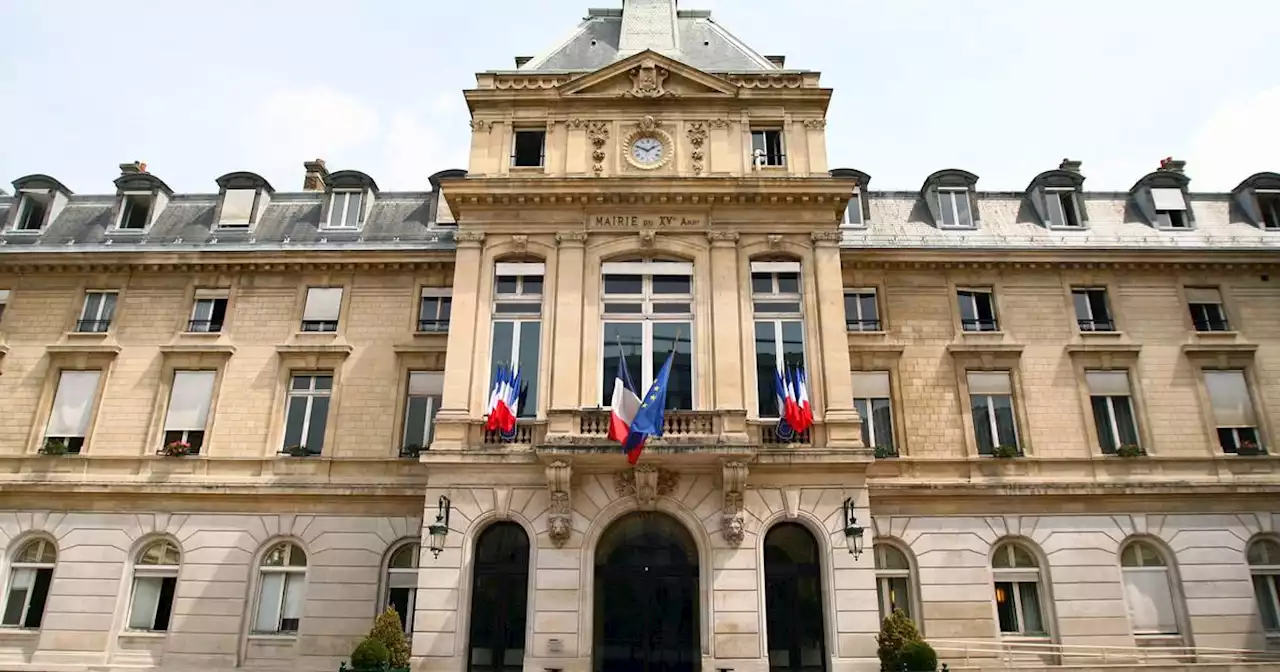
73,403
402,580
146,597
1150,602
870,384
323,304
646,268
426,384
189,400
517,268
293,591
775,267
1203,295
212,293
237,206
1168,199
989,382
1230,398
4,295
272,590
1108,383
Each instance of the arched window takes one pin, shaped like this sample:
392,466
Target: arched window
402,583
647,311
1017,586
893,580
155,577
793,599
282,584
1264,564
30,574
499,599
1148,590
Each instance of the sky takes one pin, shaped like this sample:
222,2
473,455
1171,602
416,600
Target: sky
1001,88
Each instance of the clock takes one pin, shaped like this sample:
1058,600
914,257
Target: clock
647,151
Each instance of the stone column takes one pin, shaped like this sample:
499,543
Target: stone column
566,348
726,338
455,414
844,427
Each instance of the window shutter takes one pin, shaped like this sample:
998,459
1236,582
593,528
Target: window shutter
871,384
990,383
237,206
529,268
1168,199
189,401
73,403
650,268
1108,383
774,267
323,304
1229,395
1203,295
212,293
426,384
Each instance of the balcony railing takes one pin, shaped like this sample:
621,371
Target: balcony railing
1096,324
433,326
863,325
523,435
675,424
769,435
92,326
204,326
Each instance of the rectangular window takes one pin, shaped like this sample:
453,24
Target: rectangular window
1018,607
991,401
1061,204
1112,404
345,210
4,301
977,310
1207,311
1171,208
872,399
307,411
853,212
861,310
237,208
648,310
1233,412
280,604
99,309
421,403
209,311
188,414
320,312
31,212
954,206
766,147
517,328
434,308
28,593
779,328
73,405
135,212
528,149
1269,207
152,601
1092,312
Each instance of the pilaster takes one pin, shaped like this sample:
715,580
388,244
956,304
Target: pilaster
726,339
455,414
566,354
843,426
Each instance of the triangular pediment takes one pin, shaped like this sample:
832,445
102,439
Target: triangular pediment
648,74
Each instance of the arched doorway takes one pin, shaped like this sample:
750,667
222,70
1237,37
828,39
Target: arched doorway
646,596
499,599
793,600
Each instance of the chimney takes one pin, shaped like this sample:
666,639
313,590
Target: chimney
1070,166
316,176
1169,165
133,168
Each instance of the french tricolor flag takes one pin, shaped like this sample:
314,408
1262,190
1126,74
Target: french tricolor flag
624,405
503,401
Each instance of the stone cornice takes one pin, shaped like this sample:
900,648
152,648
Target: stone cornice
218,262
959,258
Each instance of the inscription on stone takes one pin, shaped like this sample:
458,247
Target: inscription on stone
646,221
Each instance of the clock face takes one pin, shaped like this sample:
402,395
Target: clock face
647,150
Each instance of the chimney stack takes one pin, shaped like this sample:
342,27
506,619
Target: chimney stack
1070,166
317,176
133,168
1171,166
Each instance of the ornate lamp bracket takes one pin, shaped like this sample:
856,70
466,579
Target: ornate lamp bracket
735,484
560,518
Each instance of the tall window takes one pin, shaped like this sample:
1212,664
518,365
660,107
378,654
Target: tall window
991,401
434,307
861,310
648,310
893,580
1207,311
209,311
282,581
402,583
1092,312
977,310
1147,589
793,599
766,147
1264,566
73,405
1017,587
871,398
517,328
188,414
499,599
99,309
30,574
953,204
345,210
422,400
320,312
308,411
155,578
779,317
1112,404
1233,414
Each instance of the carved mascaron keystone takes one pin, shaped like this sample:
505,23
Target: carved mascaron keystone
646,482
560,516
732,525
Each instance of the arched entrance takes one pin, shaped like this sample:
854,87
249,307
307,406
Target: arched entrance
646,596
793,600
499,599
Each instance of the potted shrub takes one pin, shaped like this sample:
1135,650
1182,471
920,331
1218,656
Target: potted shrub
896,632
1005,452
176,449
1249,448
1130,450
54,446
384,650
370,656
918,656
296,451
886,451
412,450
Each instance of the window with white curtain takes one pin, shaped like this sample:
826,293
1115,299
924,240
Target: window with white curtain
73,405
1264,567
282,581
402,583
1017,590
320,313
1112,403
893,581
991,402
1233,414
188,414
30,574
1148,590
422,401
872,399
155,579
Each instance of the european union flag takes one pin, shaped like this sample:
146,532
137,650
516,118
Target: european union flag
648,420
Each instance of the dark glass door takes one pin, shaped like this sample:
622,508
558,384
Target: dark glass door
793,600
499,600
646,597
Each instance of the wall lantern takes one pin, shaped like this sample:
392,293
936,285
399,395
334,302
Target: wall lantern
852,530
440,529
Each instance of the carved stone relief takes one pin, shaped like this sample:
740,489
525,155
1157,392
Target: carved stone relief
732,526
646,482
598,132
697,137
560,516
647,81
481,125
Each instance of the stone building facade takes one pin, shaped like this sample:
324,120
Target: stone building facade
1050,410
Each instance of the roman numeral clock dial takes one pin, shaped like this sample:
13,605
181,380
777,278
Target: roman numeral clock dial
647,151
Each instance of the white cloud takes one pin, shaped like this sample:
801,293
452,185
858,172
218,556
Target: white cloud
1239,139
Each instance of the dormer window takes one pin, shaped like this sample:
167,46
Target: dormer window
351,197
853,213
1269,204
1171,209
237,208
1258,198
857,212
1161,197
140,197
32,209
1061,204
1055,196
954,206
949,196
136,212
345,209
243,198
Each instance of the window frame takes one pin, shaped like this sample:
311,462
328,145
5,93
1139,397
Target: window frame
212,295
855,205
310,394
152,571
323,326
1016,576
778,319
14,566
868,420
862,323
884,575
1271,572
520,271
128,208
1113,423
429,424
23,215
1106,324
1056,200
72,447
346,196
515,145
974,291
1258,413
96,324
955,209
384,595
771,160
1168,567
1268,201
1223,318
991,419
290,572
646,317
185,435
435,325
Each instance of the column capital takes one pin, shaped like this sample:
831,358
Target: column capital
468,238
571,238
722,238
826,238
